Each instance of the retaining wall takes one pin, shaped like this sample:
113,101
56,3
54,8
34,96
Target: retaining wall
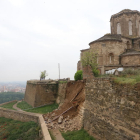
40,93
61,93
112,111
25,117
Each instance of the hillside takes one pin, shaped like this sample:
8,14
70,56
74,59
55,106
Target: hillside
16,130
10,96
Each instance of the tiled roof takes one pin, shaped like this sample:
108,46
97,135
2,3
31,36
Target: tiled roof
130,52
108,37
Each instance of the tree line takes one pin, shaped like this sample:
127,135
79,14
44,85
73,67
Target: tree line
10,96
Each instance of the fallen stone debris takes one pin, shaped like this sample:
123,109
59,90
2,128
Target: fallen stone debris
68,117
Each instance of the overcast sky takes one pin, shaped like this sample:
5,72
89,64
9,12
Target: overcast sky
36,35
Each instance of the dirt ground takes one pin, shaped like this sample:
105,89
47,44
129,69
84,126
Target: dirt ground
67,114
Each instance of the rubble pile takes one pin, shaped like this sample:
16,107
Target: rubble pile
67,117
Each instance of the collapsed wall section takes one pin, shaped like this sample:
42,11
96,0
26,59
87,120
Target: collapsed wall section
69,115
112,111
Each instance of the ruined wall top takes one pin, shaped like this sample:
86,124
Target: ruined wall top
125,11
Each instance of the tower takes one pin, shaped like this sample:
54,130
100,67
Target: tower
126,23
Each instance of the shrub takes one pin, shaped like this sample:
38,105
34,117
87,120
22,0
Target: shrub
96,72
78,75
130,72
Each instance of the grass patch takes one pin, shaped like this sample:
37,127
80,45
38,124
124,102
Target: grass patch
16,130
77,135
129,79
23,105
52,136
9,105
61,82
42,110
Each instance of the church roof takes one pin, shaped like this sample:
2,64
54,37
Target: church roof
125,11
108,37
130,52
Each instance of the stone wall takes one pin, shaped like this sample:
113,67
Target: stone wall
104,49
39,93
25,117
61,93
112,111
15,115
87,72
130,60
79,66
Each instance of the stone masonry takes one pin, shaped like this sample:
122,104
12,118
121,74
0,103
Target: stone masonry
112,111
39,93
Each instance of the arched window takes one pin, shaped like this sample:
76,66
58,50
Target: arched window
128,45
118,28
130,27
97,60
139,28
111,58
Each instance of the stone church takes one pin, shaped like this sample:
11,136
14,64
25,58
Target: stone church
121,47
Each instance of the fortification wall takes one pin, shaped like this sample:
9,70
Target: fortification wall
46,94
61,93
40,93
30,93
112,111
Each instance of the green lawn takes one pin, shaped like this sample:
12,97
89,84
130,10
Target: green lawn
42,110
9,105
77,135
16,130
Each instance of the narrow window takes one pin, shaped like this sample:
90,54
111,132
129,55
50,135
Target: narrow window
130,27
111,58
128,45
118,28
139,28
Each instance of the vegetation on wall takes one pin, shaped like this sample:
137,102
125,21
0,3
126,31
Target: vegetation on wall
16,130
128,76
10,96
78,75
90,58
43,75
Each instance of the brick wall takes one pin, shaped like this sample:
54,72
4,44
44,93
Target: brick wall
112,111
